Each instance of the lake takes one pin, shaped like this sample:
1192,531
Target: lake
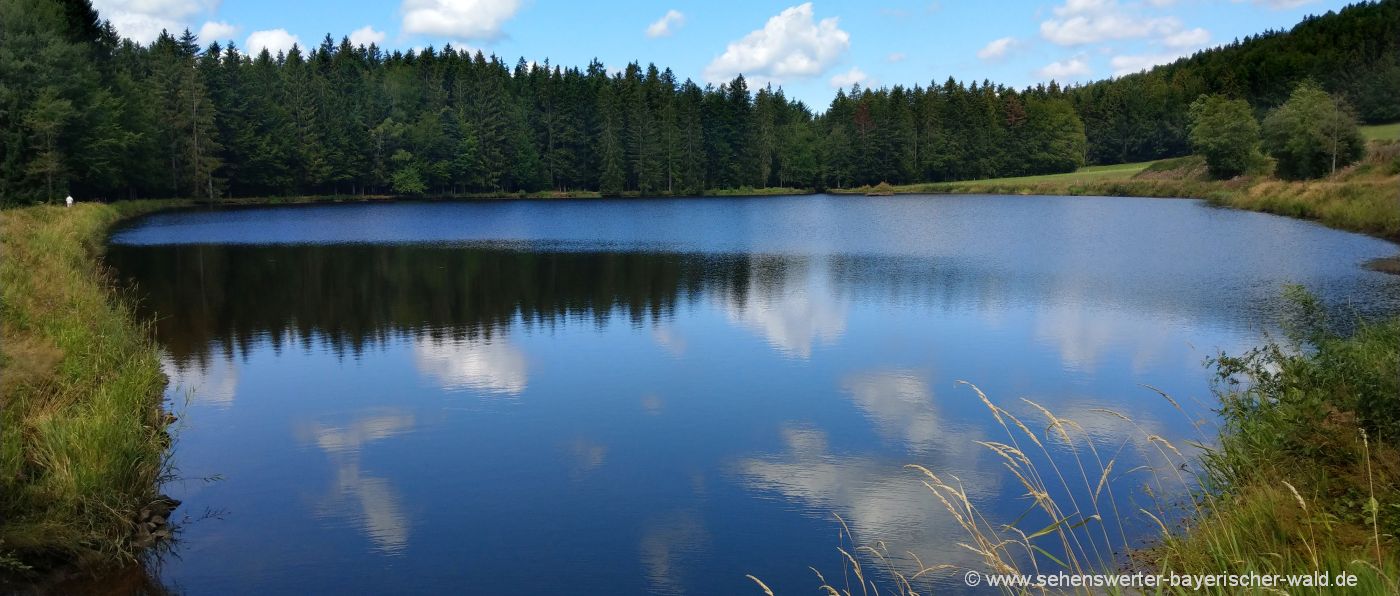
631,396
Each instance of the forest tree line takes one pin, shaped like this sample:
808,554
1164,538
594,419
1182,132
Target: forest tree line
86,112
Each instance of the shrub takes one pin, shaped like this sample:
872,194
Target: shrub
1312,134
1225,133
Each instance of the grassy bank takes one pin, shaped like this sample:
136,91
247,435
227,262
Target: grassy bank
83,444
1362,198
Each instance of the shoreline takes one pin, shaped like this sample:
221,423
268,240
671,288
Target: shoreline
1363,198
1331,202
1315,201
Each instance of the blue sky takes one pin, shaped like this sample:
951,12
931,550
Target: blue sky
807,48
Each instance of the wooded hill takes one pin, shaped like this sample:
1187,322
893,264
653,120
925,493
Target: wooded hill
83,111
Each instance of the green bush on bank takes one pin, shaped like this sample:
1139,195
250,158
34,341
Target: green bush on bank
1225,133
1306,476
1312,134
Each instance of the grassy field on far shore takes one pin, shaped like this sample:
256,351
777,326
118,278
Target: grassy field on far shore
1364,197
1122,171
1382,132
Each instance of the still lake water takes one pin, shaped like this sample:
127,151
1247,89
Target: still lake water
616,396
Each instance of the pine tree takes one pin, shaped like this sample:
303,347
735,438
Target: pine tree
611,176
691,130
45,122
302,94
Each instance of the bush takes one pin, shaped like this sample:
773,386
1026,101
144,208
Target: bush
1306,477
1317,372
1225,133
1312,134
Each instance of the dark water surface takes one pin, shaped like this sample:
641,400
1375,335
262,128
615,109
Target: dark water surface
665,395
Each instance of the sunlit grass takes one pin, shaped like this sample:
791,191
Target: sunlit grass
1381,132
1121,171
82,442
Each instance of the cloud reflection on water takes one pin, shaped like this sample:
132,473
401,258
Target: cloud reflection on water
900,405
213,381
877,497
370,501
486,365
668,542
790,304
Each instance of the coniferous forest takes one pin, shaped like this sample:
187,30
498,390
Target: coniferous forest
85,112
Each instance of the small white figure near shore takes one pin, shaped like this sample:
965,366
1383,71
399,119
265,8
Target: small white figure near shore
69,200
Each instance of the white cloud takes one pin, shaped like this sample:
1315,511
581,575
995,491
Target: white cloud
1279,4
1073,7
997,48
275,40
1189,39
663,27
1065,69
459,19
139,27
1089,21
791,45
143,20
461,47
216,31
850,77
1124,65
366,35
896,57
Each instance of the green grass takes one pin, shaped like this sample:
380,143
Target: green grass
746,191
1085,174
1120,171
83,444
1381,132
